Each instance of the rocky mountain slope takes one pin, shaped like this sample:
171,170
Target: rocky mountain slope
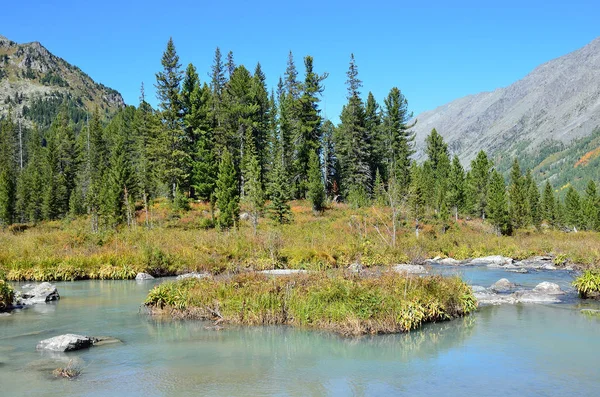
34,83
552,110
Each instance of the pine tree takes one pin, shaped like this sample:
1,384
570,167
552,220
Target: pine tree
379,193
227,194
497,206
350,142
397,138
517,197
591,207
316,189
478,183
548,205
456,187
374,141
279,208
416,195
167,91
97,163
330,163
436,167
573,214
533,200
255,196
8,172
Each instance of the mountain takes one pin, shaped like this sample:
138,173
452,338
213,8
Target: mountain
548,119
35,83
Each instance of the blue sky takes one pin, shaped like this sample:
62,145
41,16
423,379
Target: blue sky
433,53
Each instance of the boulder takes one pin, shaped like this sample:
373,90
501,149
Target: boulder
488,297
282,272
192,275
493,259
71,342
66,343
535,297
521,270
41,293
537,262
548,288
410,269
143,277
449,262
502,285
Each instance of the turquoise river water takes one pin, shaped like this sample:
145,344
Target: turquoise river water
508,350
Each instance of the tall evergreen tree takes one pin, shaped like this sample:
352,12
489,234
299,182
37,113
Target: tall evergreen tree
398,139
479,176
279,208
168,83
227,194
416,195
497,206
316,189
573,214
456,187
255,196
8,172
591,207
518,197
548,205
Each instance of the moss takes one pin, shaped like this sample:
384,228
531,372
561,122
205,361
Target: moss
7,295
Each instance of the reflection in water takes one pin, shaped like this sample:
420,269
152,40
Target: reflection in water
521,349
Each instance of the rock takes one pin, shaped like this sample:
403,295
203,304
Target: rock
41,293
244,216
105,340
355,267
493,259
502,285
490,298
549,266
71,342
449,262
548,288
521,270
410,269
534,297
283,272
143,277
193,275
65,343
537,262
478,288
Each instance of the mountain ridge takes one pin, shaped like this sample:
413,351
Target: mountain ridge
558,101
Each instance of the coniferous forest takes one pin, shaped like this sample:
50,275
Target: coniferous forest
232,140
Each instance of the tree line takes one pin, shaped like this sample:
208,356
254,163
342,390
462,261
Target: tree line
230,140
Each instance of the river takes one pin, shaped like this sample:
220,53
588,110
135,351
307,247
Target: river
524,349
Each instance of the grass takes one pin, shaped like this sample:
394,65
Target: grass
68,250
69,372
6,295
588,284
334,301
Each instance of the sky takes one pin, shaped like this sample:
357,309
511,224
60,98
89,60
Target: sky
434,52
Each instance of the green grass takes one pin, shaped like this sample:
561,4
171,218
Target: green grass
334,301
588,284
6,295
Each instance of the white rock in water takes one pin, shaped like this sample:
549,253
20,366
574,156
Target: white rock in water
493,259
41,293
65,343
143,276
535,297
449,262
411,269
548,288
502,285
193,275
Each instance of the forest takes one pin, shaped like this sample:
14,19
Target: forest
232,141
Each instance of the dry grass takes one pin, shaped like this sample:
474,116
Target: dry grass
68,250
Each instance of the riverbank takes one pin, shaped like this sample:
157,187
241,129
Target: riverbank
179,243
343,303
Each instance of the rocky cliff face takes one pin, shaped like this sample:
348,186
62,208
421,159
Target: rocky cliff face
29,72
555,104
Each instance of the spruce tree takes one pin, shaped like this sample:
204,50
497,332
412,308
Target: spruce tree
517,197
478,183
573,214
548,205
168,83
255,196
416,195
456,187
279,208
316,189
8,172
227,193
497,206
591,207
398,140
